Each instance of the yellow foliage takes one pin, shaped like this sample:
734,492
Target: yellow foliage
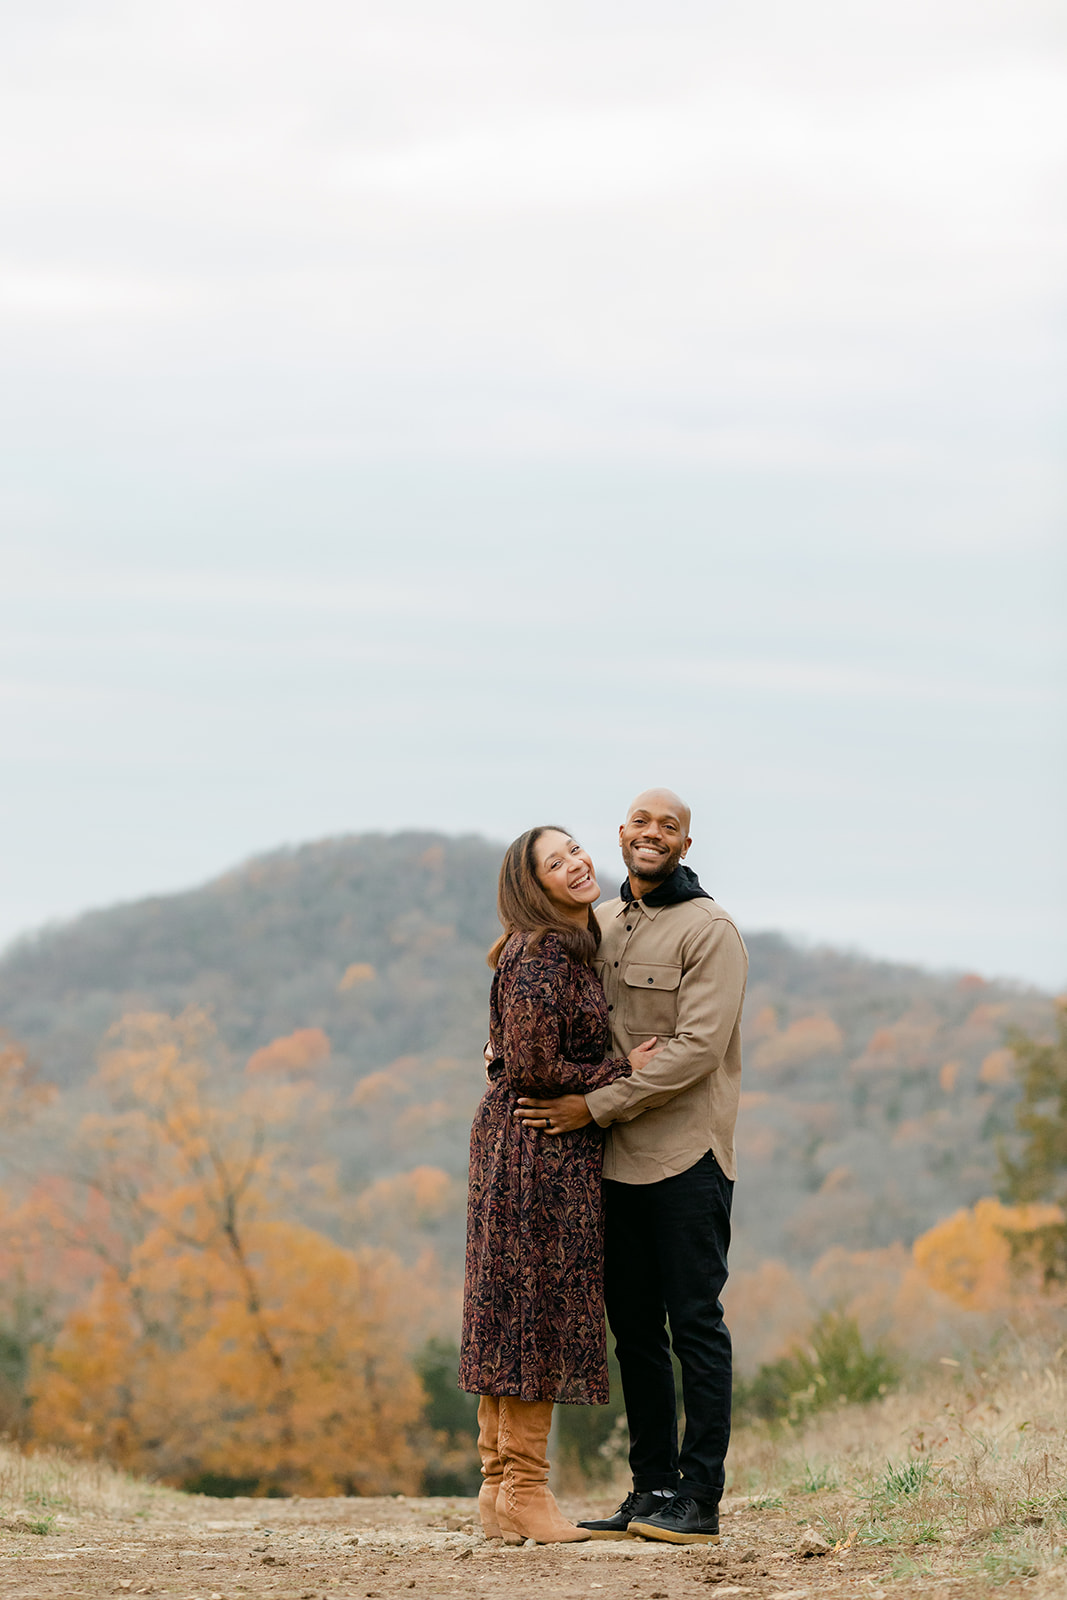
176,1371
948,1075
968,1256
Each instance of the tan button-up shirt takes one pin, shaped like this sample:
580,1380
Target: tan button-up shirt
678,972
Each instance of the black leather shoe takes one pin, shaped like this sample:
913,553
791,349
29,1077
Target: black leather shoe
683,1520
618,1526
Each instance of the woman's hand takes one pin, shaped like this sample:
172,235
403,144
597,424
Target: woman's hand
642,1054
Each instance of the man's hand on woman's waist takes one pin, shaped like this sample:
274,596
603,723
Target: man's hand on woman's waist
554,1116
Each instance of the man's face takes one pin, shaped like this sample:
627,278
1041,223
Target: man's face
653,839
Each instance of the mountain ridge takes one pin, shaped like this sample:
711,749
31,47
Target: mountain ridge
874,1090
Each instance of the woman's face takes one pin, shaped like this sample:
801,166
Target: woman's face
565,872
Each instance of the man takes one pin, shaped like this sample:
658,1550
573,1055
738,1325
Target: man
672,964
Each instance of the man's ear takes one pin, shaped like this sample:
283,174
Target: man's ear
622,825
685,849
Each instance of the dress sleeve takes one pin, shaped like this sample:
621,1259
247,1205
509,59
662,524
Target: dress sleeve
534,1011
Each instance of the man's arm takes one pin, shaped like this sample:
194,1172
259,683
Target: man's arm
710,995
569,1111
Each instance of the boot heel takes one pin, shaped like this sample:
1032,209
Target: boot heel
508,1531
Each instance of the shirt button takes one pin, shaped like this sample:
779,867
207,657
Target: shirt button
650,980
628,928
616,963
611,1008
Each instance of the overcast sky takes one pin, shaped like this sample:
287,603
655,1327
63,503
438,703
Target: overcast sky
464,415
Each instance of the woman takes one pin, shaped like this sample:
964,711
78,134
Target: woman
533,1305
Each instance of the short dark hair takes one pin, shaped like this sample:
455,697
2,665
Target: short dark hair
523,905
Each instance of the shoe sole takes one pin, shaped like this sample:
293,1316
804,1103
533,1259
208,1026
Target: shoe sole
604,1533
646,1530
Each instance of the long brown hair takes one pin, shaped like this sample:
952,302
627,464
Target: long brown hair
523,905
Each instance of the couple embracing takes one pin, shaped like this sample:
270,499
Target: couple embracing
602,1168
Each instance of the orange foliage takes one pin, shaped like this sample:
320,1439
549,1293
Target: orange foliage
22,1093
836,1179
801,1041
177,1370
219,1337
998,1067
986,1016
296,1052
948,1075
393,1207
968,1256
766,1309
762,1026
392,1080
757,1143
906,1044
359,972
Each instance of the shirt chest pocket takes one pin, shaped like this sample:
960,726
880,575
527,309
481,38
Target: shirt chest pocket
650,1003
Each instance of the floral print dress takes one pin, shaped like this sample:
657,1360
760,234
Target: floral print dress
533,1301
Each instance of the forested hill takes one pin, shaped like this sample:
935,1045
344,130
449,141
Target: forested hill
873,1091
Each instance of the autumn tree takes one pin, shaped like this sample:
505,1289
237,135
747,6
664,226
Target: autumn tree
23,1094
972,1256
222,1341
1039,1171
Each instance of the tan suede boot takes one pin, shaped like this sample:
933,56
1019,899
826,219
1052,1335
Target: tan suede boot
494,1526
525,1498
492,1467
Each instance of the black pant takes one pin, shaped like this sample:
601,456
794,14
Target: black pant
665,1257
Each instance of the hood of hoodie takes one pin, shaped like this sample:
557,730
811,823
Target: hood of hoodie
683,884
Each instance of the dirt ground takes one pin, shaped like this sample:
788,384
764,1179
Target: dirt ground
195,1548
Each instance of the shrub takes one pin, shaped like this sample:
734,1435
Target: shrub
834,1368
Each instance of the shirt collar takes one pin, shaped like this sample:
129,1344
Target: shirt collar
651,912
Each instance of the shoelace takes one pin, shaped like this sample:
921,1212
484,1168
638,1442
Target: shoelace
677,1508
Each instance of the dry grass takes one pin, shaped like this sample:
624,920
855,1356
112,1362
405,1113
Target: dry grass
40,1488
961,1480
957,1488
